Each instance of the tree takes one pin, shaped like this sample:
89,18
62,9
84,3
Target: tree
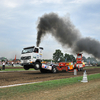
58,56
91,60
72,58
84,59
68,57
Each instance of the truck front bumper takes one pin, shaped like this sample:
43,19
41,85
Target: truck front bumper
27,64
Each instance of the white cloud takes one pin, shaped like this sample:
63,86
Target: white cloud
84,1
46,1
76,1
9,3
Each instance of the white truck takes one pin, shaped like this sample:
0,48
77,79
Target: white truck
31,57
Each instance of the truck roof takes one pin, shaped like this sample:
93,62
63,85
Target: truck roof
33,47
29,47
79,53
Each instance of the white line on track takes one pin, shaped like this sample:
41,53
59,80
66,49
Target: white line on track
19,84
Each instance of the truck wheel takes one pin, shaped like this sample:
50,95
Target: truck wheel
54,70
37,65
26,67
42,70
81,69
77,69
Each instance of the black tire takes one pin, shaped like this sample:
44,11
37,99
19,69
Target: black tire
42,70
81,69
26,67
37,65
54,70
78,68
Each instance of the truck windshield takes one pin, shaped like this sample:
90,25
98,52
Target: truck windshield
79,57
27,50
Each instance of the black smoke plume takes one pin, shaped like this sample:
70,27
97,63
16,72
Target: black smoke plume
91,46
66,34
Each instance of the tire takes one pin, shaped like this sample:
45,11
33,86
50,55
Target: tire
26,67
37,65
54,70
42,70
81,69
78,68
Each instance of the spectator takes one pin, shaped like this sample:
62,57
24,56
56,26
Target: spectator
3,65
12,63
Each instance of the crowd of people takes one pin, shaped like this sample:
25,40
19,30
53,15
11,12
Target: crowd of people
9,63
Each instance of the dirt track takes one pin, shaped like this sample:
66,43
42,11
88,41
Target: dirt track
9,78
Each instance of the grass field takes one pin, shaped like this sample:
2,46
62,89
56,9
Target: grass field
7,93
88,67
22,69
17,68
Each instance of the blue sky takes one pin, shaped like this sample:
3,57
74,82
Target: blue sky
19,20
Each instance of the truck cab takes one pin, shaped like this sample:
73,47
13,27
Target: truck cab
79,58
79,62
31,57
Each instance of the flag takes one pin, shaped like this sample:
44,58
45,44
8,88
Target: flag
15,58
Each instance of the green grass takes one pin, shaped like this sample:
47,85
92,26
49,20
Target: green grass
15,69
11,66
14,91
22,69
89,67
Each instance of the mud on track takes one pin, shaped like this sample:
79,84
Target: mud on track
9,78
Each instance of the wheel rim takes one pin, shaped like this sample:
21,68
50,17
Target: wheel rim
37,65
54,70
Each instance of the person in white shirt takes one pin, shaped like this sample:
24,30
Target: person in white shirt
3,65
12,63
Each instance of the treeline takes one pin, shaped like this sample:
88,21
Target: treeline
58,56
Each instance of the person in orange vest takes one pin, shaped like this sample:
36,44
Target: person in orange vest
3,65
